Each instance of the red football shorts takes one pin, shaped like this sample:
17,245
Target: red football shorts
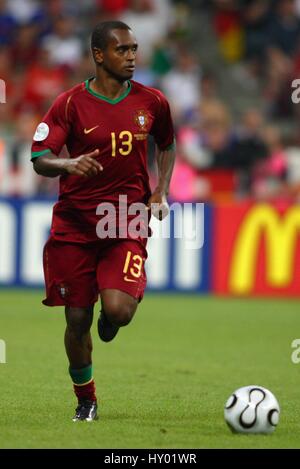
75,273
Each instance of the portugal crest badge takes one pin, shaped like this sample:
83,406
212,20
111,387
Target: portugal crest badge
141,119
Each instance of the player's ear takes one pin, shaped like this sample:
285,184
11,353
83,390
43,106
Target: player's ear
98,55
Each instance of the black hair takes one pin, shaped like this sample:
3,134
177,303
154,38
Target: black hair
100,35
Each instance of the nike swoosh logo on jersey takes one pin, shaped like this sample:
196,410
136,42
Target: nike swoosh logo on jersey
129,279
87,131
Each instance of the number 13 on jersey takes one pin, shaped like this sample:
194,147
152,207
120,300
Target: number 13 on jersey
123,145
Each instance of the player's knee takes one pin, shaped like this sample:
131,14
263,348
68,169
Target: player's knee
79,321
120,314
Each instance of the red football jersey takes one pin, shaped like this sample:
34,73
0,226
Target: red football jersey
85,121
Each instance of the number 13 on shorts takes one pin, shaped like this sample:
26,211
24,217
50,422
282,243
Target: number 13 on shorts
133,267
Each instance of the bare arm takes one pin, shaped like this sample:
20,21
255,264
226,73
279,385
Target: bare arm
165,163
84,165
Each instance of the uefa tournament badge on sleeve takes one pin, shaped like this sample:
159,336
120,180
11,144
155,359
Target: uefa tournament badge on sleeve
41,133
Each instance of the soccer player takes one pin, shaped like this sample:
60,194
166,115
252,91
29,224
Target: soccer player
104,123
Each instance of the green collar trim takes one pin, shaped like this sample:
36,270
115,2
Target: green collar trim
104,98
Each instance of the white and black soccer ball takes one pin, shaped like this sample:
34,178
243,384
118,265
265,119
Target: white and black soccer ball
252,409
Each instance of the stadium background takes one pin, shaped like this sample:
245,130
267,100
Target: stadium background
227,68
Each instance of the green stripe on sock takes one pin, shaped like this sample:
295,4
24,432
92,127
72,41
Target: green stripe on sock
81,375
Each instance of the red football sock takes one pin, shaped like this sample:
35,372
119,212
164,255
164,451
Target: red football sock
85,391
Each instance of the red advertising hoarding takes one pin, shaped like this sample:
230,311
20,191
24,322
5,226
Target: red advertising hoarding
256,249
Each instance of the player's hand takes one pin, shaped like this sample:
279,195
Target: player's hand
84,165
158,205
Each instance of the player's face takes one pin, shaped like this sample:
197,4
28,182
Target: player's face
118,59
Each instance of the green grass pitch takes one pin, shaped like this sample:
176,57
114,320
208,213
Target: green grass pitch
162,383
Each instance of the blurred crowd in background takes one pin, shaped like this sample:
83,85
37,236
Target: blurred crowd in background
226,67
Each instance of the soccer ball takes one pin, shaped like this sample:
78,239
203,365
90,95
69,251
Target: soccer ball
252,409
